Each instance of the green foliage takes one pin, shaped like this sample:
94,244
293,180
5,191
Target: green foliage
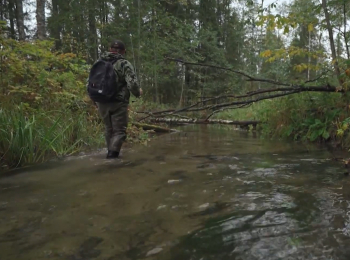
45,111
33,74
319,117
47,78
29,138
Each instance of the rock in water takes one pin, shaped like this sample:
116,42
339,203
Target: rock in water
173,181
154,251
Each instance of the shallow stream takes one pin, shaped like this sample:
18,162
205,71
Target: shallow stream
206,193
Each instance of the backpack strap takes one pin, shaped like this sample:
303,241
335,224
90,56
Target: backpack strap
115,60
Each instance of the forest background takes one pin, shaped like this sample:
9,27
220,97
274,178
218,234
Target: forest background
298,49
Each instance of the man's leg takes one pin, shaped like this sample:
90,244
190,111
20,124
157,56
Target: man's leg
104,111
119,119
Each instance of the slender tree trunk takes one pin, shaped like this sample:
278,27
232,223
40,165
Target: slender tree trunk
187,84
2,9
154,51
93,52
139,42
309,57
345,36
20,20
11,10
40,19
56,24
183,79
103,15
331,39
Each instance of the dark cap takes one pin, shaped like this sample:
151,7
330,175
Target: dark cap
116,44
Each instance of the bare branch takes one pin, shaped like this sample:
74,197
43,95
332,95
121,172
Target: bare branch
320,76
285,91
250,78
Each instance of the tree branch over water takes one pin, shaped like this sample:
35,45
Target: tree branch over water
243,100
249,78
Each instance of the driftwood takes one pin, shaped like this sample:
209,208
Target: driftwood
179,121
155,128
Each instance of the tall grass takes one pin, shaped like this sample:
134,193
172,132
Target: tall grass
306,116
29,139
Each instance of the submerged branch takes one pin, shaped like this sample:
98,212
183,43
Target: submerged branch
155,128
203,121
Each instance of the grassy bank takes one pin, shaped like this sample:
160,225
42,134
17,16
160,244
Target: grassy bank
29,138
315,117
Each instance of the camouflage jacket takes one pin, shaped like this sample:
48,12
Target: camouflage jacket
126,76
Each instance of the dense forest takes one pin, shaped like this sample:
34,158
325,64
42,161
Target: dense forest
185,53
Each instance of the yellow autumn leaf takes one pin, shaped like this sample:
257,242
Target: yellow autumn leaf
337,89
266,53
310,27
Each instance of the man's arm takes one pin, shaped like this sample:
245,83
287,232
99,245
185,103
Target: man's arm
87,87
131,79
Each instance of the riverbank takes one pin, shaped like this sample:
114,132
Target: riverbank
322,118
32,137
45,111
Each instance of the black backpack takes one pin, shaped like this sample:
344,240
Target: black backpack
102,85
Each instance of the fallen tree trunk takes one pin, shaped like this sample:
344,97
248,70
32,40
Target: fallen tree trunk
155,128
238,101
203,121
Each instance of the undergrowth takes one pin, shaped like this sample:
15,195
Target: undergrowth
313,117
45,111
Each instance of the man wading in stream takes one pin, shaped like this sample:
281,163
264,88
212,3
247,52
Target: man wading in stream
110,82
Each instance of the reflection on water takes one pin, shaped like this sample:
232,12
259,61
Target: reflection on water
205,193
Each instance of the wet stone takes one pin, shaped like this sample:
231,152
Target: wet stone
204,206
154,251
233,167
173,181
87,248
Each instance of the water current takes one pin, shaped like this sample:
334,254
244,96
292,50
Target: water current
205,193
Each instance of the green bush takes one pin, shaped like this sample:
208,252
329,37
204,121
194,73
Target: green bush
45,110
307,116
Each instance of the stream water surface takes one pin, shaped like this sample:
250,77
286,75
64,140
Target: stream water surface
202,194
